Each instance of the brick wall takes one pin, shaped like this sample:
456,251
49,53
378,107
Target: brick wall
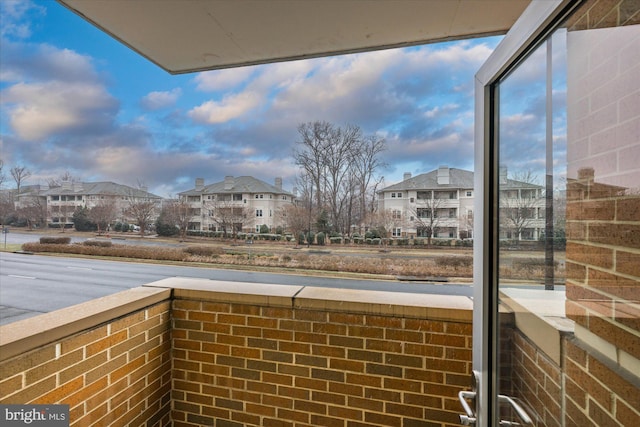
602,363
338,363
112,373
537,380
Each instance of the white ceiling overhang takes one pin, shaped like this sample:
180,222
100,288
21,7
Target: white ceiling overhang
184,36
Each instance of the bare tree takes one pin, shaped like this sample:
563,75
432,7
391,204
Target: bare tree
2,174
338,163
229,215
520,202
20,175
65,177
179,214
7,207
141,209
103,214
33,212
294,219
366,164
426,215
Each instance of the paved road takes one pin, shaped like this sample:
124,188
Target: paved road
33,284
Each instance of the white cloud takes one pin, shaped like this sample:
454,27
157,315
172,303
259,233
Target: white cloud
13,13
229,79
231,107
159,100
39,110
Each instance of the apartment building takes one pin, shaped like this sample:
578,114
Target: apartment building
240,204
439,204
62,201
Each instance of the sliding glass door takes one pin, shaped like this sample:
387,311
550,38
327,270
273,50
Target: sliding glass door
557,299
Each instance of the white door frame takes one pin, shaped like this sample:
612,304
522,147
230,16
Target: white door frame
533,26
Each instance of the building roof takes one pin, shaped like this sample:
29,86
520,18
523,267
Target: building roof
187,36
238,184
458,178
98,188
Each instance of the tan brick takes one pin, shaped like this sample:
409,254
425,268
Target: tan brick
328,351
294,347
345,413
299,416
346,318
405,336
309,406
83,339
263,410
262,322
58,394
80,368
214,307
105,369
382,419
387,346
26,361
347,365
329,328
590,254
628,263
341,341
294,392
125,322
365,403
85,393
346,389
625,414
125,346
52,367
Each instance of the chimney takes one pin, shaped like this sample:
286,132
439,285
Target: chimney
199,184
407,175
228,182
443,175
279,183
503,175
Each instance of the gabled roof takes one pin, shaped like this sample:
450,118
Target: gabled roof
458,178
99,188
240,184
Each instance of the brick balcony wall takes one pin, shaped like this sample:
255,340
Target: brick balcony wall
109,360
321,358
183,352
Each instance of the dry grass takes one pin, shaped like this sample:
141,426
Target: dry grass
441,265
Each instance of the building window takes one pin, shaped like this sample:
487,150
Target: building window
393,195
258,212
424,195
397,232
397,214
469,193
237,197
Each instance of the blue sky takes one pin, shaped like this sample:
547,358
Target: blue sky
74,100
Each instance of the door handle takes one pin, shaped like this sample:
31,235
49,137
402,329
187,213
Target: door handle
522,414
470,418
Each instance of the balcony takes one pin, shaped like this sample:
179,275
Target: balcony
192,352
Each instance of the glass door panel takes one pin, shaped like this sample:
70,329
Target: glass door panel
531,226
568,224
